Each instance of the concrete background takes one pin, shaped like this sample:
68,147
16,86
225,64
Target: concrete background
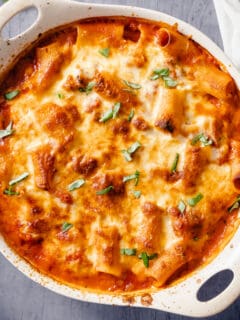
21,298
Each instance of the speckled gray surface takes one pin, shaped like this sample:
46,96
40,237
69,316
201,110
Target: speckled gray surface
22,299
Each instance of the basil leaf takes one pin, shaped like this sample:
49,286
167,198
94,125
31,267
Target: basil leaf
128,252
206,141
19,179
175,163
10,192
126,155
76,184
60,95
112,113
169,82
159,73
66,226
164,74
88,88
132,85
195,238
106,116
155,77
116,109
134,176
235,205
193,201
104,52
202,138
7,132
137,194
145,259
196,138
131,115
134,147
181,206
11,95
105,191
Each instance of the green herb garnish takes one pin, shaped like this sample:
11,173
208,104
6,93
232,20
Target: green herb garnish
169,82
116,109
206,141
11,95
88,88
164,74
175,163
133,148
112,113
7,132
106,116
104,52
66,226
202,138
159,73
196,138
131,115
193,201
134,176
128,252
10,192
235,205
76,184
19,179
105,191
60,95
132,85
181,206
137,194
126,155
145,258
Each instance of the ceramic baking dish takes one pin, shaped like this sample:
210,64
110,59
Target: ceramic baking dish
183,297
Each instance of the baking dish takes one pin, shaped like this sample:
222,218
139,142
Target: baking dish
181,298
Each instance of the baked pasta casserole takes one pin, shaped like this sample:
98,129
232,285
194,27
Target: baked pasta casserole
119,155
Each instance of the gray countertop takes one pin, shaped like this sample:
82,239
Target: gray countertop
21,298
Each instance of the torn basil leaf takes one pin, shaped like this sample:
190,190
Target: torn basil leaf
76,184
128,252
132,85
66,226
19,179
104,52
7,132
11,95
105,191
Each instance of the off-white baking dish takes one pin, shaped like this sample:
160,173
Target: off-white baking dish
182,297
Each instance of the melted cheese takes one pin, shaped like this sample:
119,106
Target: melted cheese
58,138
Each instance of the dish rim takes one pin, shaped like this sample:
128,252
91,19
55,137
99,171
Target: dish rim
53,13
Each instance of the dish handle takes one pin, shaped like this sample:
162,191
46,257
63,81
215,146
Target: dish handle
209,292
13,7
50,12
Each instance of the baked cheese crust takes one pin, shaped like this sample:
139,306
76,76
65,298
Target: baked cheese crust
119,155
